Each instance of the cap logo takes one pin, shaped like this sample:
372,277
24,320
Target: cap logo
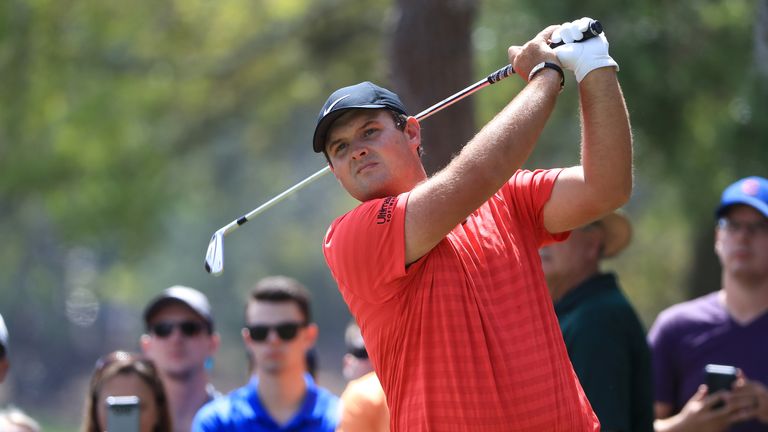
750,187
330,107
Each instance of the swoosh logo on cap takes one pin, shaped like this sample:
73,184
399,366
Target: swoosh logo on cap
330,107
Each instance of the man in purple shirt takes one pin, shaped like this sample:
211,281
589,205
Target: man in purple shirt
728,327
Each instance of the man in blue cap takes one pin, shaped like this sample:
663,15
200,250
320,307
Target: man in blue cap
726,327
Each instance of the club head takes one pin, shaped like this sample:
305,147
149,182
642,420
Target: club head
214,256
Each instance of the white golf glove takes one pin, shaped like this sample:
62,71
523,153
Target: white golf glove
584,57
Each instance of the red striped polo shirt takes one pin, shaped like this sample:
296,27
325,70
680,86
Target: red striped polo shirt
466,337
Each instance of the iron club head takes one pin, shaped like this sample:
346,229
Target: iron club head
214,256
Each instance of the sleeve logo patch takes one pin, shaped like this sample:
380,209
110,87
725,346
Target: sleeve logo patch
384,215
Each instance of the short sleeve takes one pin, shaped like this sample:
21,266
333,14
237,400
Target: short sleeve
527,193
365,249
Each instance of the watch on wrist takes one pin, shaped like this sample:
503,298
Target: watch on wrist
541,66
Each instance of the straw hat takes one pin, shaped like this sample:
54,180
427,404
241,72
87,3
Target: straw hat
618,233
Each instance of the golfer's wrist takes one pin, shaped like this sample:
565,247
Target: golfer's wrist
549,69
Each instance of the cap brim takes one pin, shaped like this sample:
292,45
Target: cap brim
321,131
755,203
161,302
618,232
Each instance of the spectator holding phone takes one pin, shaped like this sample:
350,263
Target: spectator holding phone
181,340
727,327
126,374
281,394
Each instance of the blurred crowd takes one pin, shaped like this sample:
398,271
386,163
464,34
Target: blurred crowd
661,382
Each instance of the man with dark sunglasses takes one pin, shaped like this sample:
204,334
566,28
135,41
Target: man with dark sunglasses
180,339
281,395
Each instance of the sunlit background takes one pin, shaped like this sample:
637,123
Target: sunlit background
131,131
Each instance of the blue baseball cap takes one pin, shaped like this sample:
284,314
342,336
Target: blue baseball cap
751,191
365,95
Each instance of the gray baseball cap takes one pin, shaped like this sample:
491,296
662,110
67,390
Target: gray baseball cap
186,296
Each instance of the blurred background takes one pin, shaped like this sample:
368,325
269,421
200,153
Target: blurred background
131,131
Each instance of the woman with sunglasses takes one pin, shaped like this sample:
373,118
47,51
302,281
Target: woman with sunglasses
125,374
281,394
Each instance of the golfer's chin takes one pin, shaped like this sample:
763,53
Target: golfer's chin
371,189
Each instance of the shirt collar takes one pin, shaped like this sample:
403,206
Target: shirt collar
594,284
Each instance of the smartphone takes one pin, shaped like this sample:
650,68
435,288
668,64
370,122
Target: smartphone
122,413
719,377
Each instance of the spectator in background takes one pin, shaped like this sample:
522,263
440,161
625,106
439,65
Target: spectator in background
604,337
4,363
363,403
13,419
728,327
281,395
180,339
125,374
355,362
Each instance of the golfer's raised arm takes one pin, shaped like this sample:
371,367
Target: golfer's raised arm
440,203
603,181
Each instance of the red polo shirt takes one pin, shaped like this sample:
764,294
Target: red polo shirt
466,337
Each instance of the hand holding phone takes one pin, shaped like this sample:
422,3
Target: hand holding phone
122,413
719,377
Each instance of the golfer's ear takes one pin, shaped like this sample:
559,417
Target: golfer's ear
413,130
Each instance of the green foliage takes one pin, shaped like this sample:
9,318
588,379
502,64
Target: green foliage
696,102
130,131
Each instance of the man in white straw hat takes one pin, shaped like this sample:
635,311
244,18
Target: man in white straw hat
604,337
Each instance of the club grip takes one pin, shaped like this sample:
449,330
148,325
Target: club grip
594,29
500,74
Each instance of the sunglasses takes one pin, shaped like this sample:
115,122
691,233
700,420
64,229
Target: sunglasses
286,331
164,329
360,353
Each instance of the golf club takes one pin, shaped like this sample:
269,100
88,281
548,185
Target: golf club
214,256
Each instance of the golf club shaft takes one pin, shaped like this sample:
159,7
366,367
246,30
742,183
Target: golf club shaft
594,29
490,79
214,262
250,215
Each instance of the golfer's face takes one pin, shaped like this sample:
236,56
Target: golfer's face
369,155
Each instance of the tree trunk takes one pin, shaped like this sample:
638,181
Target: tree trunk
431,58
761,38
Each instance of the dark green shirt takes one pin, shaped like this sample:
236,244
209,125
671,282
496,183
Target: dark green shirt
607,346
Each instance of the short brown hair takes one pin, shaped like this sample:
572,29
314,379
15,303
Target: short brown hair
280,289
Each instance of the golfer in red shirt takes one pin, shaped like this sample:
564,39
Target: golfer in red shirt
443,273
